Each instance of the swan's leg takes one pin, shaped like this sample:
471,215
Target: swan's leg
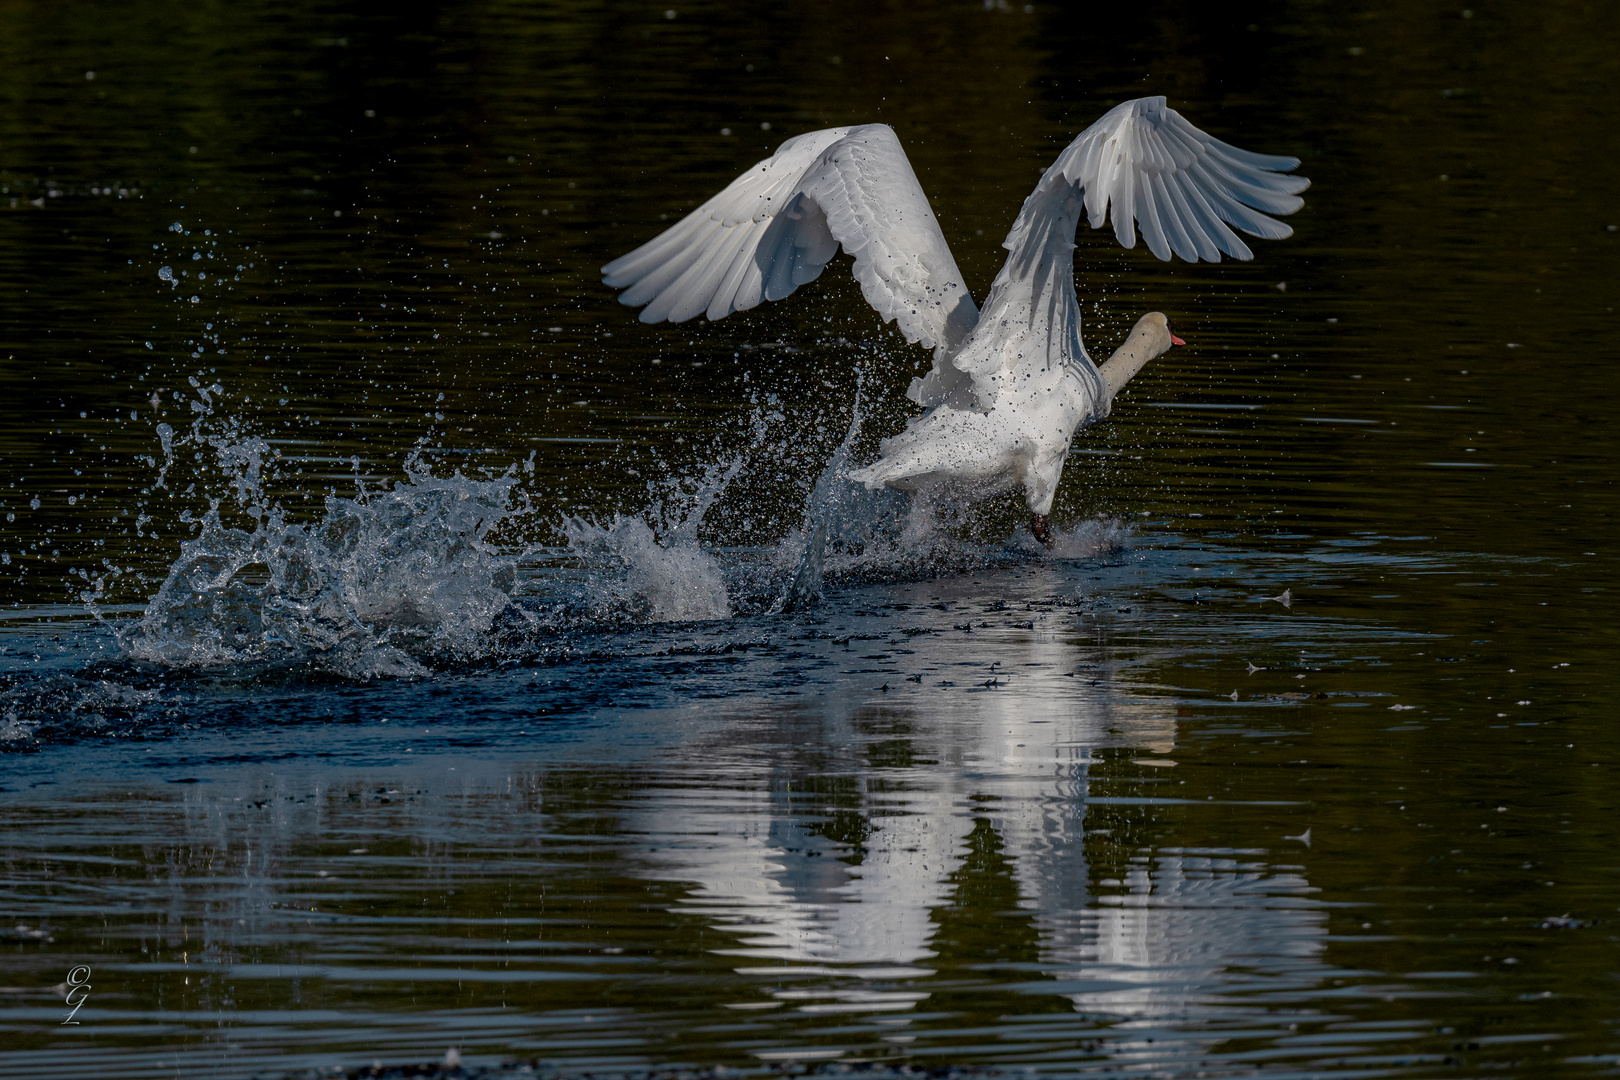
1042,529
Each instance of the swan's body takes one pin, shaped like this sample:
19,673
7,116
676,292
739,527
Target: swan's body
1012,384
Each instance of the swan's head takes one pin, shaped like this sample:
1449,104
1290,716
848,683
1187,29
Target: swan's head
1155,328
1150,338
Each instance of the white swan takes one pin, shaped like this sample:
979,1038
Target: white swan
1011,384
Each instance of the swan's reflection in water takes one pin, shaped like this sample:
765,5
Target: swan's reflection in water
843,881
970,873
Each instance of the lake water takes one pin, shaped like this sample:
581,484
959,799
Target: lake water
479,709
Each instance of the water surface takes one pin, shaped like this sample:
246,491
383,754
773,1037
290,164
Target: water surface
481,710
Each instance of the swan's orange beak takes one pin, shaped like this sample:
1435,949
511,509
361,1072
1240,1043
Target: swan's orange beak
1176,341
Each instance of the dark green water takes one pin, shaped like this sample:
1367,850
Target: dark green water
622,835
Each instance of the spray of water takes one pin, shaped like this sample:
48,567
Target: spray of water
401,579
379,584
655,567
634,576
39,709
828,508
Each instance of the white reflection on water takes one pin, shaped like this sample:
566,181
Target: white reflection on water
868,867
1191,937
759,874
1177,935
1187,925
760,868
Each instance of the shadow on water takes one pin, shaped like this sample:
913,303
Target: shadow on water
406,649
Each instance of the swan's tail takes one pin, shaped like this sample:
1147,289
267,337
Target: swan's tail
966,453
946,445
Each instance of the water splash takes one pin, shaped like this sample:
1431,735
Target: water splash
660,566
36,710
383,584
883,535
1090,538
403,579
827,511
399,580
633,576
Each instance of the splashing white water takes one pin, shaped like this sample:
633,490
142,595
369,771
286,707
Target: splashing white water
655,568
632,576
379,582
1089,539
398,580
831,506
395,581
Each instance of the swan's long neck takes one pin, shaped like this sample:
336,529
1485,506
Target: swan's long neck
1147,341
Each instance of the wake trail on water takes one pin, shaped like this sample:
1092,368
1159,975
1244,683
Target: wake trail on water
409,578
406,578
436,569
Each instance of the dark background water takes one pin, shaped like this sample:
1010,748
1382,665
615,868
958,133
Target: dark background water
1404,414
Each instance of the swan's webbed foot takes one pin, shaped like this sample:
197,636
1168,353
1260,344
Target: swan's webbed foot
1042,528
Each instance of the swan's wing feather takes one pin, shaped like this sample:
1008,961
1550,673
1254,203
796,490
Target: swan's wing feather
692,292
1181,191
659,274
778,225
1178,186
876,209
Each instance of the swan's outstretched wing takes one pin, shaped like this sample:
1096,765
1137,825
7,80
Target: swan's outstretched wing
776,227
1182,186
1144,164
